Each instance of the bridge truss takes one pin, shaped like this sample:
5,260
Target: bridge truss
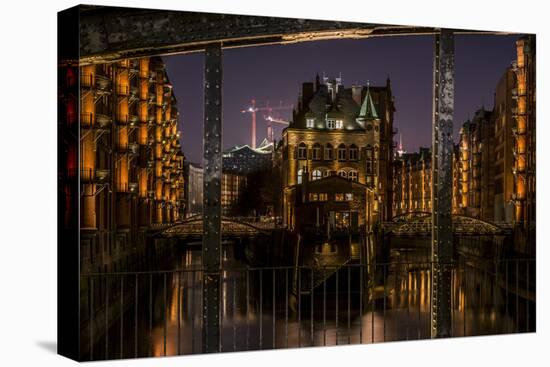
420,224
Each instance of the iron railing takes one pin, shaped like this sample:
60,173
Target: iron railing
159,313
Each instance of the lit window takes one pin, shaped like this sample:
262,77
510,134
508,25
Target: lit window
349,196
331,123
339,124
313,196
316,174
341,152
328,153
323,196
339,197
343,174
300,174
302,151
352,175
310,123
316,152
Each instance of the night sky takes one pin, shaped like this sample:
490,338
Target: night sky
275,73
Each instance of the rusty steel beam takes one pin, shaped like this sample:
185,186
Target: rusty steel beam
110,33
212,219
442,149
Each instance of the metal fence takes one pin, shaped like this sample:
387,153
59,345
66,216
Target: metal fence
158,313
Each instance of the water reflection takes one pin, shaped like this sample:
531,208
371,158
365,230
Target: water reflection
260,309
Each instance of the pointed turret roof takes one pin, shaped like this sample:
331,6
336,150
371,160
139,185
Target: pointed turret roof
368,111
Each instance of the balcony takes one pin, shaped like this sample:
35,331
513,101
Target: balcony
98,175
133,187
134,67
134,90
133,148
103,83
133,120
103,121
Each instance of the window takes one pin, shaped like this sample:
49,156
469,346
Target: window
316,152
316,174
310,123
328,152
343,174
313,196
352,175
339,124
331,123
341,152
302,151
342,220
369,167
323,196
369,151
339,197
300,174
349,196
353,152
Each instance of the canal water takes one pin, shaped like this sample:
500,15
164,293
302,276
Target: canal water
262,309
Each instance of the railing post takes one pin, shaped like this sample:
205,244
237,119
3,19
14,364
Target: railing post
212,163
442,149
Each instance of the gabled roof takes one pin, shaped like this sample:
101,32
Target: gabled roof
368,111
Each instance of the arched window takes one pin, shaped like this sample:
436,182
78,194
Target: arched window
316,152
300,174
352,175
302,151
341,152
328,152
316,174
353,153
343,174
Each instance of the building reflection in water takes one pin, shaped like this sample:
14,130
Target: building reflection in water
403,314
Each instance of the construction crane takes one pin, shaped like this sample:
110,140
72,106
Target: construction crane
270,120
252,109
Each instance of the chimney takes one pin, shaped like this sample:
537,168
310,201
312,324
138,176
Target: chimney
307,93
356,93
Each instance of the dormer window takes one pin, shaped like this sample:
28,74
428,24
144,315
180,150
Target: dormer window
331,124
339,124
310,123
